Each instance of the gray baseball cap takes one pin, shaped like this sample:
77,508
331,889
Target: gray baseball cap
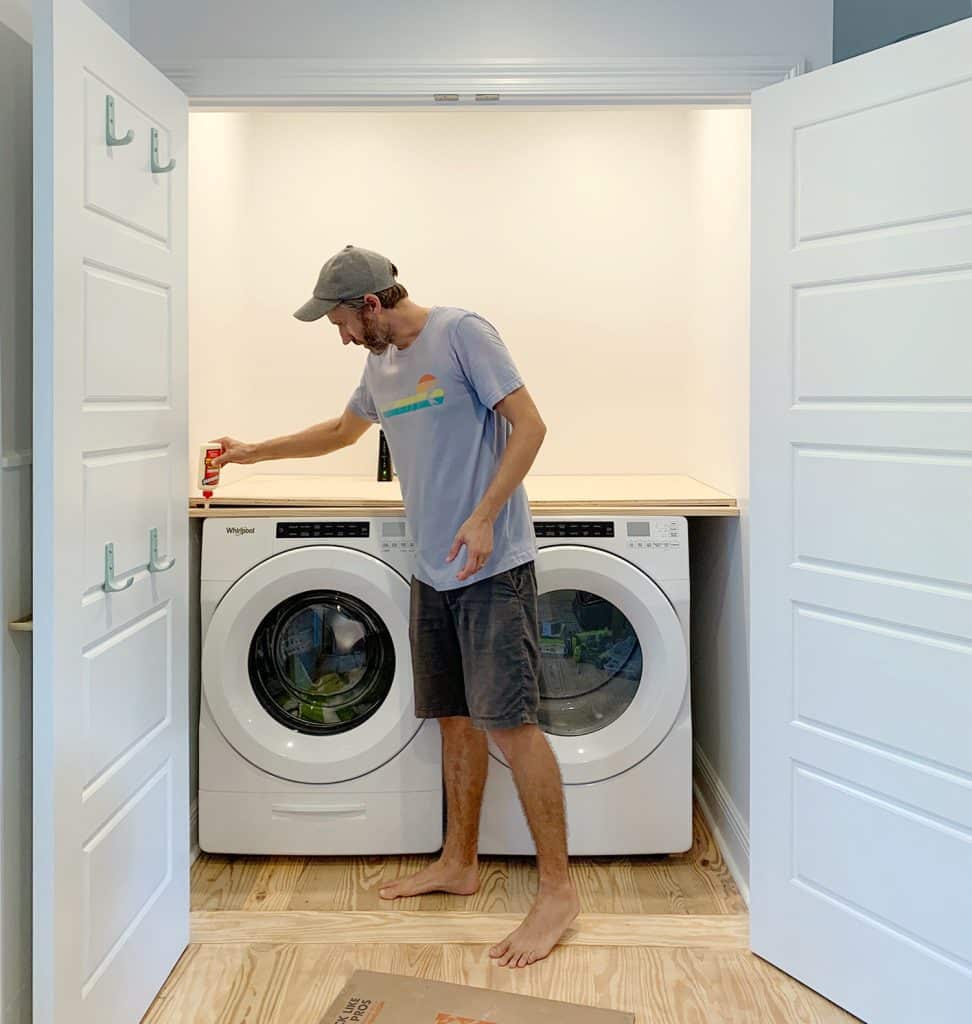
351,273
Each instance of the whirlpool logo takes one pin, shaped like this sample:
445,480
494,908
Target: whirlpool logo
240,531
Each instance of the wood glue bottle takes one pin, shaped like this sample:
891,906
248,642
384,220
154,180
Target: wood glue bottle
208,470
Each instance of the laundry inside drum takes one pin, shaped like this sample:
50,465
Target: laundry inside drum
322,661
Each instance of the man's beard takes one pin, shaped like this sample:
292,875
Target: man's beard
374,341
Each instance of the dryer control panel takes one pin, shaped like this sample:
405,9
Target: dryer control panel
654,534
651,533
658,545
573,528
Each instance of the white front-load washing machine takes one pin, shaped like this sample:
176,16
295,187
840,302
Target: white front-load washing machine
308,740
615,703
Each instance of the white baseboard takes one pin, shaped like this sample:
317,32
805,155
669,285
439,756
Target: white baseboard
194,850
729,829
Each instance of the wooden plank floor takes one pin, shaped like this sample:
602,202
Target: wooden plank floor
696,882
455,927
274,939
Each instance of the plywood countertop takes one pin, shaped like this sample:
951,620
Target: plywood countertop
269,494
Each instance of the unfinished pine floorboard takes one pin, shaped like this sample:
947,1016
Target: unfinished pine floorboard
293,984
713,931
696,882
275,938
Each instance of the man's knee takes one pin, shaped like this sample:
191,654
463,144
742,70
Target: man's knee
456,726
515,741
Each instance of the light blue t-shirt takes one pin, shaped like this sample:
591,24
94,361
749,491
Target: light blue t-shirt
435,402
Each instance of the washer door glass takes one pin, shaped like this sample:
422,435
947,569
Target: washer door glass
322,662
592,662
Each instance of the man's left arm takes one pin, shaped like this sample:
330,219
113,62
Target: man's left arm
476,533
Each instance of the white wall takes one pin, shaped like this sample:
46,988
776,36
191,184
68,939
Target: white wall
15,516
720,547
611,247
569,229
864,25
118,14
16,14
428,29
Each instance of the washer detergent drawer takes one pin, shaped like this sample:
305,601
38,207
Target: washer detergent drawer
320,823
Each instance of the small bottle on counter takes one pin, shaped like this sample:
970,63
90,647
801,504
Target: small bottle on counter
384,458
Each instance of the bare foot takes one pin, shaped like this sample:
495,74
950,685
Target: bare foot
461,880
545,925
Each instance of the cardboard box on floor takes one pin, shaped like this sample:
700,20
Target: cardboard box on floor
373,998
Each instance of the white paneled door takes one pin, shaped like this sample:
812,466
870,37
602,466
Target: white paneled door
111,820
862,530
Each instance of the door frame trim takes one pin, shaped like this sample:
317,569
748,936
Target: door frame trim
222,83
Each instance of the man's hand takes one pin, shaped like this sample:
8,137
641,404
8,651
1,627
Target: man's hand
476,535
236,451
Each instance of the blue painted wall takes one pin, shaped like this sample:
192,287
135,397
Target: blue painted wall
862,25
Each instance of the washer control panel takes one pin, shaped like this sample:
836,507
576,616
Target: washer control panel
297,530
394,536
657,534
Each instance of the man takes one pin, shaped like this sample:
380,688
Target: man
463,433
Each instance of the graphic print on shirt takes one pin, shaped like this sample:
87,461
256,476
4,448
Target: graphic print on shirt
428,393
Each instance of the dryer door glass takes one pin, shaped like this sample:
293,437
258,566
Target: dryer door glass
591,662
322,662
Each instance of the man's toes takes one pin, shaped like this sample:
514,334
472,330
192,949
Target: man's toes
392,892
499,949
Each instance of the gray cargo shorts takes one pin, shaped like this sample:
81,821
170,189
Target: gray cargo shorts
476,650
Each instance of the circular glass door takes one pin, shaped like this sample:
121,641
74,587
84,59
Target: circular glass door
592,662
306,666
322,662
614,662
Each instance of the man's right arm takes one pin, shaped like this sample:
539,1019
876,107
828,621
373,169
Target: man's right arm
320,439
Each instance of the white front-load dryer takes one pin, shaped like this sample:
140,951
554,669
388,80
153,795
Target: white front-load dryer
308,740
615,699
